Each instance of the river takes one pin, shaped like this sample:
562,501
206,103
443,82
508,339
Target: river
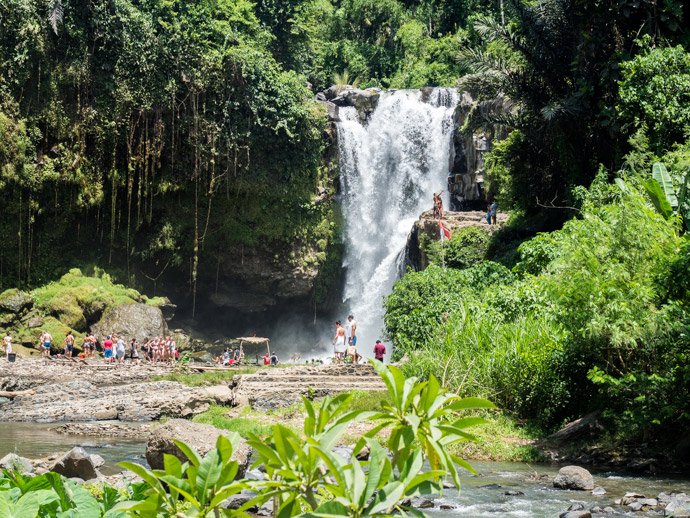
34,440
539,499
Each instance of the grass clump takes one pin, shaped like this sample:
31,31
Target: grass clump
242,425
204,379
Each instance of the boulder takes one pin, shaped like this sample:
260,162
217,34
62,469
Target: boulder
221,394
97,460
201,437
132,321
13,301
678,509
574,477
6,319
576,514
17,463
582,428
76,463
599,491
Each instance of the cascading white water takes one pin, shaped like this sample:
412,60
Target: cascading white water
390,169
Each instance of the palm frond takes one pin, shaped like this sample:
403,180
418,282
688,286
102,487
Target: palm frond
56,15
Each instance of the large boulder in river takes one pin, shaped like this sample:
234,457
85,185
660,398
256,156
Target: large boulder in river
201,437
13,301
132,321
76,463
574,477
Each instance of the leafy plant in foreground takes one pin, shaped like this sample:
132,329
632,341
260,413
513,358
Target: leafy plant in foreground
423,419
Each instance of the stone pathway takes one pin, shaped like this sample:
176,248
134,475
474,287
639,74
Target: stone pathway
281,387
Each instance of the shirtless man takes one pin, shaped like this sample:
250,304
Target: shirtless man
69,344
46,340
439,205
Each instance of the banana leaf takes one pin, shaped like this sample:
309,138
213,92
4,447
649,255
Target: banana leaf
658,198
660,174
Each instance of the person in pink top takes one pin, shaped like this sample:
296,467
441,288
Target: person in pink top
379,351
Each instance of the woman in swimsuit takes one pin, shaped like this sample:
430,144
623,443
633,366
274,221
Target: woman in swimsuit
339,346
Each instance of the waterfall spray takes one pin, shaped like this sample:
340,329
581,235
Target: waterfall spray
390,169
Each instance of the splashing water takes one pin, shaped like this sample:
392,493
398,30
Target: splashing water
390,169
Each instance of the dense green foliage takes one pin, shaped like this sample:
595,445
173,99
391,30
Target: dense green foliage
600,304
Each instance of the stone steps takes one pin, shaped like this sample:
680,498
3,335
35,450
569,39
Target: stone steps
279,388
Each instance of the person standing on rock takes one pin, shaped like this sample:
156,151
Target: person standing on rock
134,351
47,340
379,351
351,331
108,350
8,345
339,346
494,209
121,352
69,344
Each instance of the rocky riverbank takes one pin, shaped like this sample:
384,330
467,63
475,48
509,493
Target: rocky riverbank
29,373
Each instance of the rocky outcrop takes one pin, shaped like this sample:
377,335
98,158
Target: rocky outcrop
83,401
575,478
470,145
76,463
201,437
28,373
364,101
14,301
426,229
132,320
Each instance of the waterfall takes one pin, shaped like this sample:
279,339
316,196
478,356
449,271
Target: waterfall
390,169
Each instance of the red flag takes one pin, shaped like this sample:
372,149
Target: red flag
444,231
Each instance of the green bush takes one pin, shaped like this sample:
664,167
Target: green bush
467,247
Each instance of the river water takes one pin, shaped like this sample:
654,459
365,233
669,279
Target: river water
34,440
539,500
390,169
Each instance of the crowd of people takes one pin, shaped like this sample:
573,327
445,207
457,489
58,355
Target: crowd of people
160,349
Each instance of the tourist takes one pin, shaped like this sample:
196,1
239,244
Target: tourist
339,342
488,213
46,340
439,205
108,350
8,345
379,351
146,349
120,350
226,355
267,359
69,344
352,353
86,345
134,357
493,208
274,359
351,330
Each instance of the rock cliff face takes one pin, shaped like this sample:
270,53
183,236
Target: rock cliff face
426,229
466,179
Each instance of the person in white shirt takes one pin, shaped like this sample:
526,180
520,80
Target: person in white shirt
351,327
8,345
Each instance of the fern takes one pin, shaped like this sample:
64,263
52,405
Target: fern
56,15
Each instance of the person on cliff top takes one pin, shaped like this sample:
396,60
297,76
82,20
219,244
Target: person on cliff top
339,342
69,344
351,328
8,344
494,209
379,351
108,350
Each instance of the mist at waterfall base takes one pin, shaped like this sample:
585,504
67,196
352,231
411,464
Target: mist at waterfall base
390,168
